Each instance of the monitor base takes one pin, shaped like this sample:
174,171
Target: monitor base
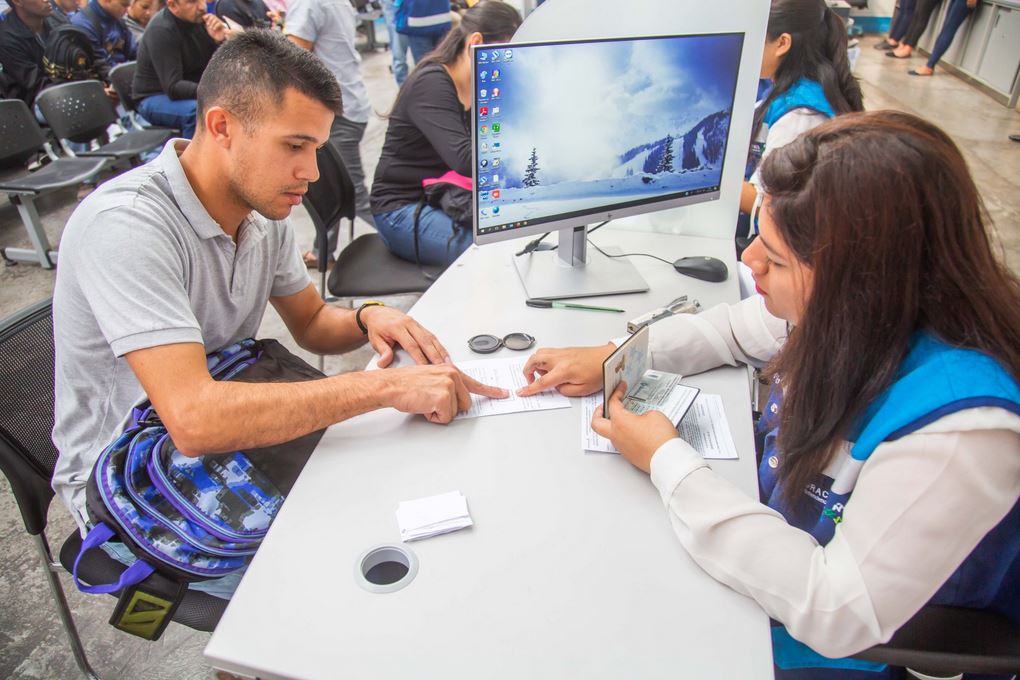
546,277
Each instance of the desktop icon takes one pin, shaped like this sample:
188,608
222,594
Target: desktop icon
495,179
494,193
496,146
483,163
495,162
495,55
495,74
496,127
484,129
482,181
495,92
483,55
483,94
495,210
483,110
508,55
483,195
484,212
495,110
485,147
483,76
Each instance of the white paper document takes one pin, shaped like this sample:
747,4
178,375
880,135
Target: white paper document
508,374
704,426
706,429
427,517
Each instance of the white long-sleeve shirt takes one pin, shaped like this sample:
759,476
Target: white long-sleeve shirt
920,506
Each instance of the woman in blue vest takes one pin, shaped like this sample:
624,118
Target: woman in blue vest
891,472
806,81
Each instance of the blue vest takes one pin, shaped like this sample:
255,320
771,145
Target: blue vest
804,94
933,381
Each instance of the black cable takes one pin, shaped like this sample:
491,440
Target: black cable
654,257
531,246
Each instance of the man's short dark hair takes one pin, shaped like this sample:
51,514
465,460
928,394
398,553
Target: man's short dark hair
255,69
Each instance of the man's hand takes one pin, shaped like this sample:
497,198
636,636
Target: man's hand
636,437
574,371
215,27
387,326
437,392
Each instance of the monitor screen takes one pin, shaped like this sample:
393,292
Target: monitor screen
570,129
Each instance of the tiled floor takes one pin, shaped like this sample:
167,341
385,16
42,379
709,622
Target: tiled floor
32,644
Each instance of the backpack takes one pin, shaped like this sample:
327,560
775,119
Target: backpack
450,193
423,17
68,56
186,518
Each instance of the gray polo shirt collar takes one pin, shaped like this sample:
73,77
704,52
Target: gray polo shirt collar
251,230
195,213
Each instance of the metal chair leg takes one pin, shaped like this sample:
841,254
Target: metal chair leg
41,253
51,568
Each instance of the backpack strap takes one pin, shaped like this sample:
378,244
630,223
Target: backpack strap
134,574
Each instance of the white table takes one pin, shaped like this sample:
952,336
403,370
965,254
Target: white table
571,569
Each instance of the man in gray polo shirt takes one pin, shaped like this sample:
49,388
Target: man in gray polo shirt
328,28
179,257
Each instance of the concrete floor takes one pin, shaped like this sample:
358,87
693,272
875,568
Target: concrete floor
32,643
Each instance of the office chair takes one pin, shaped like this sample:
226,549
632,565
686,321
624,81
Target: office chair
122,78
27,459
20,138
946,641
81,112
365,267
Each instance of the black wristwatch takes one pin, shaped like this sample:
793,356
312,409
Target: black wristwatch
357,315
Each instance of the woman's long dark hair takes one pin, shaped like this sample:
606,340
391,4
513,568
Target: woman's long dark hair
892,252
818,53
494,19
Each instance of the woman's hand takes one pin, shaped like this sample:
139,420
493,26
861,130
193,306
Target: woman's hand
573,371
636,437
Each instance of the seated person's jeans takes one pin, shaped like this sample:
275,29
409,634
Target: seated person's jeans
159,109
440,241
222,587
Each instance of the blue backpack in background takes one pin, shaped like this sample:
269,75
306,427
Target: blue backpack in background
423,17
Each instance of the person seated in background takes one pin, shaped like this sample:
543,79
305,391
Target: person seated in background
429,134
247,13
63,10
138,16
328,28
179,42
890,476
806,62
23,36
181,256
103,22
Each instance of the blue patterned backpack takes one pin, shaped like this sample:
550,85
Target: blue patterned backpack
190,518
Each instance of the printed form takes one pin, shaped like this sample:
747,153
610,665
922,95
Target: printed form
508,374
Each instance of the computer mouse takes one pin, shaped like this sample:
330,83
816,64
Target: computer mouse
703,268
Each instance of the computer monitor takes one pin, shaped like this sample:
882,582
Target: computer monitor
568,134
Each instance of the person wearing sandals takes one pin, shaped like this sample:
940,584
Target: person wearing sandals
957,13
923,11
806,62
429,134
890,477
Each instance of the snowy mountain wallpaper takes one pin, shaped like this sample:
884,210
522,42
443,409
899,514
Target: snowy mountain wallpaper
566,128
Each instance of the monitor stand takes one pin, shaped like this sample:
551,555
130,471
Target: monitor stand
571,271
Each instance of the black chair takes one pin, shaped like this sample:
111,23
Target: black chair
27,459
946,641
20,138
81,112
122,78
365,267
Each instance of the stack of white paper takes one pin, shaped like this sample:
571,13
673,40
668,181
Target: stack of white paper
427,517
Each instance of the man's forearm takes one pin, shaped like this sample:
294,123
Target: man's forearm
332,330
234,416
